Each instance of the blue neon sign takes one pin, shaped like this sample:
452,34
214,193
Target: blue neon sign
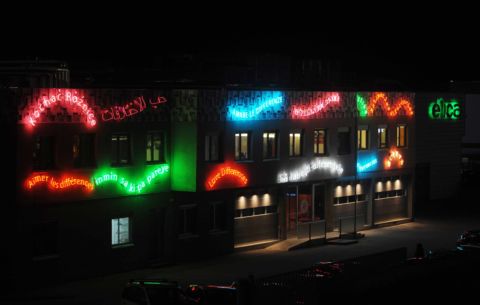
268,100
367,164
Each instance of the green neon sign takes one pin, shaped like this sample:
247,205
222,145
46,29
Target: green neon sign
443,110
131,187
361,106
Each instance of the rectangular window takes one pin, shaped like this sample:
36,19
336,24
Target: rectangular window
344,141
155,147
382,137
218,216
242,146
121,231
401,136
84,150
362,138
320,141
212,147
121,149
296,144
270,145
187,220
44,153
45,239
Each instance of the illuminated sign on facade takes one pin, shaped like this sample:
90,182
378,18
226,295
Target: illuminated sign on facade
54,184
394,157
267,101
67,97
118,113
304,170
301,111
225,171
381,99
369,163
441,109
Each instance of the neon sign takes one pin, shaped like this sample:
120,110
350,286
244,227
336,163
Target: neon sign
129,186
70,97
441,109
134,107
393,156
224,172
369,164
267,101
54,184
303,171
300,111
381,99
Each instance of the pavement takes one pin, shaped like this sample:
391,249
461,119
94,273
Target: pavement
434,232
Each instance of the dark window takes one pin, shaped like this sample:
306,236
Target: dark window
44,153
270,145
271,209
320,141
121,149
155,147
382,137
187,220
218,216
45,239
362,197
84,150
344,141
247,212
259,211
242,146
212,147
296,144
401,136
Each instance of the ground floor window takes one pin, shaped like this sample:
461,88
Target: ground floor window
187,220
349,199
390,194
218,216
121,231
255,211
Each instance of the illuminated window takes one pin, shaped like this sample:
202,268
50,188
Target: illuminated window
242,146
155,147
121,231
362,138
212,147
45,239
270,145
218,216
44,153
84,150
320,141
121,149
401,136
344,141
382,137
187,219
296,144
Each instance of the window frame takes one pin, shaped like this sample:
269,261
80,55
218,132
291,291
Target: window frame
360,144
115,162
291,144
162,149
249,146
39,163
82,163
276,140
405,137
130,235
219,147
182,209
344,130
379,137
325,141
215,227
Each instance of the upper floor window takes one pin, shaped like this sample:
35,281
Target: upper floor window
84,150
155,147
270,150
44,153
344,141
401,136
382,137
121,231
362,138
242,146
121,149
320,141
296,143
212,147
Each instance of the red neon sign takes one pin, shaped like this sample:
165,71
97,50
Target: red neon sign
381,99
66,96
393,156
134,107
302,111
57,185
224,172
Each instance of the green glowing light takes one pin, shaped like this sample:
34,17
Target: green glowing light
361,106
184,156
441,109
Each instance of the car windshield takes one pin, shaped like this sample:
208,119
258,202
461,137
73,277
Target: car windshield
162,295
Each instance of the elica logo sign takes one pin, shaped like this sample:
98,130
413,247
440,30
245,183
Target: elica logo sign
441,109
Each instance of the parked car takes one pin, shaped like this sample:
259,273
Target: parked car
153,292
469,238
212,294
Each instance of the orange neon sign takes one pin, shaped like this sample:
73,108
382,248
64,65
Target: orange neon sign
381,99
224,172
393,156
66,182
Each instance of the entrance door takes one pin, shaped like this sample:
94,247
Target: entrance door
292,206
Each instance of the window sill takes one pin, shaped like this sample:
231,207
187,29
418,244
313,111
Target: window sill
188,236
45,257
121,246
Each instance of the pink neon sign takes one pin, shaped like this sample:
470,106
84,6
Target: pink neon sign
302,111
66,96
134,107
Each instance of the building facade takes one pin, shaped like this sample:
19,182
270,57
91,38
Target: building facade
110,180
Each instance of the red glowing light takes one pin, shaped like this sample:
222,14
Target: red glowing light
224,172
65,96
301,111
53,184
381,99
134,107
393,156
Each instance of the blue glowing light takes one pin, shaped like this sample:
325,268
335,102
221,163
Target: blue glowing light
367,164
267,101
